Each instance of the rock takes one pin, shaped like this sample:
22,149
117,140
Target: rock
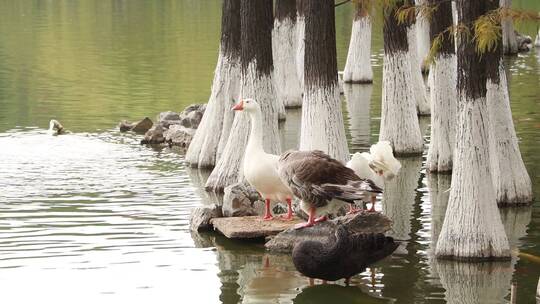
194,118
169,115
142,126
154,136
200,217
125,126
178,135
166,119
192,115
250,227
239,200
524,42
363,222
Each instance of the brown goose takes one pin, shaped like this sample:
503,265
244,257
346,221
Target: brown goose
321,182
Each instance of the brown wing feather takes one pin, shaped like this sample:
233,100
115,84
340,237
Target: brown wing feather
316,167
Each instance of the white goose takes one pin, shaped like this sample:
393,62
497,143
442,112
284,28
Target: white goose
378,165
260,168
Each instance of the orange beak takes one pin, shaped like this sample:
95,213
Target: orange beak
239,106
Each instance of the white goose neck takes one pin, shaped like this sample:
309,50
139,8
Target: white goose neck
255,142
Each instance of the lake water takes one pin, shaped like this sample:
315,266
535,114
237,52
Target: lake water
93,217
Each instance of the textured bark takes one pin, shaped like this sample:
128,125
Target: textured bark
399,122
300,40
213,130
423,37
443,93
509,39
322,119
284,40
511,181
256,82
358,99
472,228
423,106
358,66
285,9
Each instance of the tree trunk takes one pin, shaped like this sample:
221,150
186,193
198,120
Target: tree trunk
300,40
213,131
284,42
419,88
423,37
256,82
509,39
358,66
472,228
322,119
443,92
358,99
511,182
399,122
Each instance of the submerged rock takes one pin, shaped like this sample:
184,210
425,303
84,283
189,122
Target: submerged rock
56,128
125,126
176,129
239,200
364,222
143,125
154,136
178,135
200,217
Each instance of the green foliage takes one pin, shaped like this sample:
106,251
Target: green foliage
487,33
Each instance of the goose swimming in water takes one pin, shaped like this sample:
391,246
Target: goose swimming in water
378,165
341,256
321,182
260,168
55,128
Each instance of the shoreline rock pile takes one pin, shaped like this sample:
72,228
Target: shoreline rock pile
173,129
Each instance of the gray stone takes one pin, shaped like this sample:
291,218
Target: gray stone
169,115
251,227
166,119
154,136
125,126
363,222
239,200
178,135
192,115
142,126
524,42
194,118
200,217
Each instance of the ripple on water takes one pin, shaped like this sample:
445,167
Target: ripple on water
75,198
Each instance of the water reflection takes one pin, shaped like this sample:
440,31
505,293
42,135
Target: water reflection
474,282
331,293
439,192
358,99
400,196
